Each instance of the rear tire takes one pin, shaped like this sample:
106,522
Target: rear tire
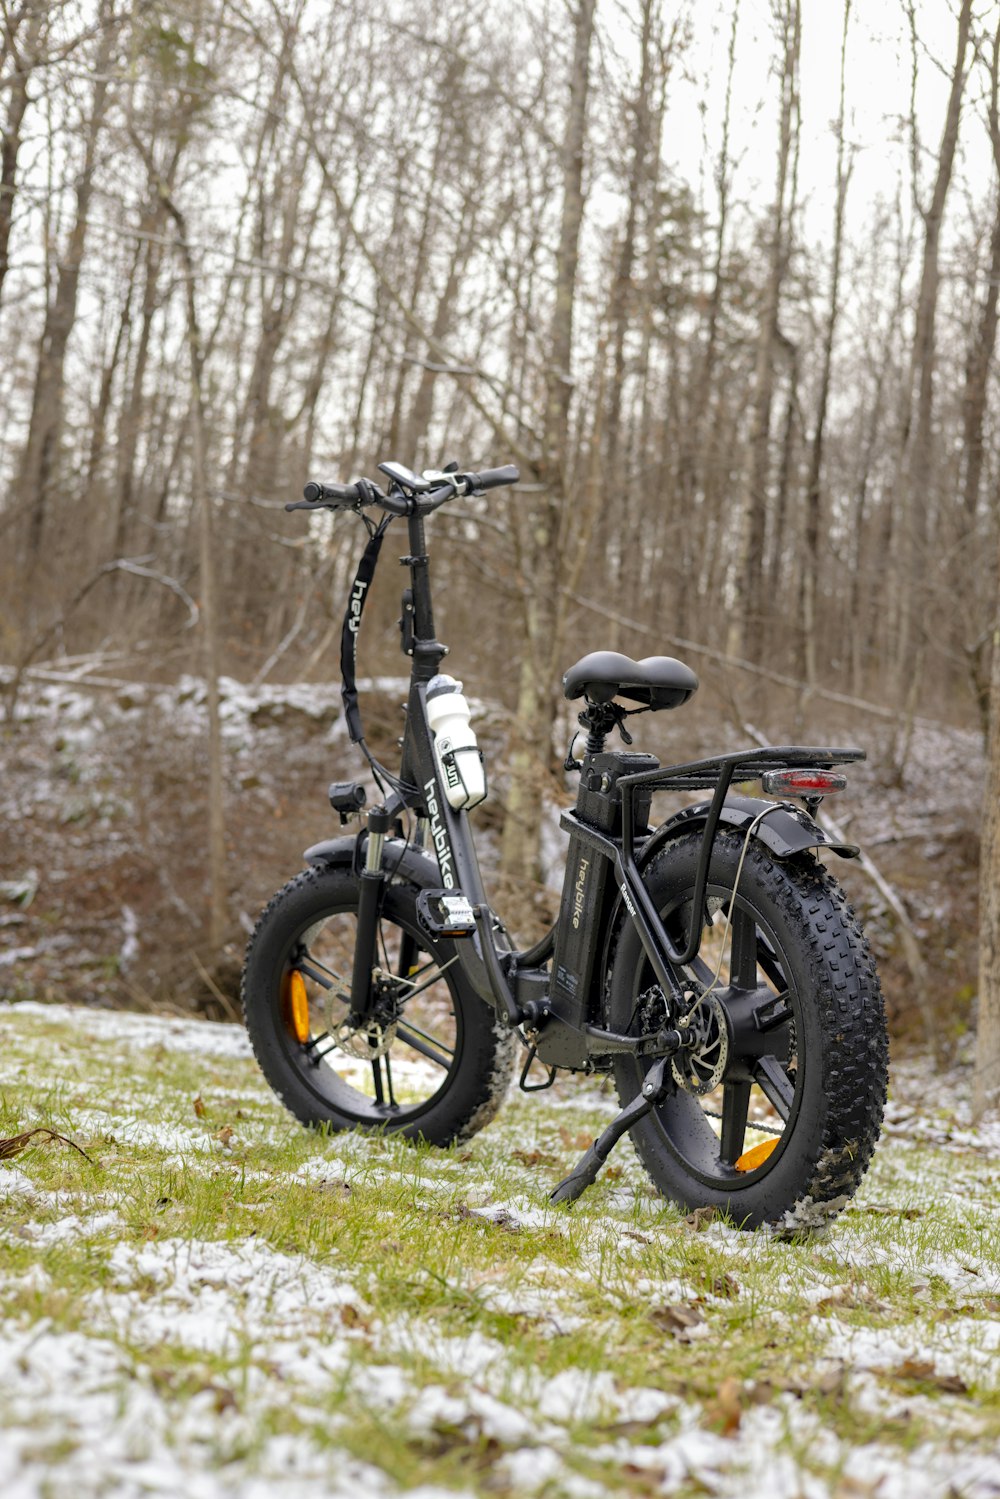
819,1093
444,1065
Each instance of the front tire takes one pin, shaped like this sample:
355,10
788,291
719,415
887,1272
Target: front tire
773,1117
437,1067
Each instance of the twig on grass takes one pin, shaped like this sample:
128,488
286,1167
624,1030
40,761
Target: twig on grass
14,1144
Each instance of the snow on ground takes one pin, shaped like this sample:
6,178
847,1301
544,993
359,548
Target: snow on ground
223,1306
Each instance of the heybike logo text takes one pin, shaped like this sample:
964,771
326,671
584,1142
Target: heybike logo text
440,838
357,604
578,892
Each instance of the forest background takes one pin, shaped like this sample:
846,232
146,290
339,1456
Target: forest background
722,281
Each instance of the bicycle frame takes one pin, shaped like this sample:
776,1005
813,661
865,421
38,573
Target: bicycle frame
553,989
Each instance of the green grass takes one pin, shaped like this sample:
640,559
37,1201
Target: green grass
219,1292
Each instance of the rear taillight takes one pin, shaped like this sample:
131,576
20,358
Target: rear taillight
802,782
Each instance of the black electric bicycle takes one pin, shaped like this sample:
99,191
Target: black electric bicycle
711,964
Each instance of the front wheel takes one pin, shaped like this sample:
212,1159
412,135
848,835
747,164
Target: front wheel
775,1105
432,1063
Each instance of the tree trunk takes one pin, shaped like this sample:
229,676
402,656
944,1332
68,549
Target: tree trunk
533,725
38,473
917,476
746,617
980,359
986,1083
24,54
218,894
813,517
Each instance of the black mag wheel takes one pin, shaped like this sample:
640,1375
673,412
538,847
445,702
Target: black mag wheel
776,1103
432,1063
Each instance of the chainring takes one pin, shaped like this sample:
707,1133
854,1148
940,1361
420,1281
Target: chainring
701,1066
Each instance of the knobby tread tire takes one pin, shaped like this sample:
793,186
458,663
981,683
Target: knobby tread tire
477,1090
840,1116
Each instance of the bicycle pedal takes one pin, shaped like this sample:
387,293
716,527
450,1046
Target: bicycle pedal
445,913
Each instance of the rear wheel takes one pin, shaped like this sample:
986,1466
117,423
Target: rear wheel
431,1063
775,1106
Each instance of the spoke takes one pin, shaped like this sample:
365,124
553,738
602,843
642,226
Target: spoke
774,1082
743,956
424,968
412,993
773,1012
426,1045
319,973
735,1103
318,1056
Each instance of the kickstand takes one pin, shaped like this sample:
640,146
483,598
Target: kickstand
584,1173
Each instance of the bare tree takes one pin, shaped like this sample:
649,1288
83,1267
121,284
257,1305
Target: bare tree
745,617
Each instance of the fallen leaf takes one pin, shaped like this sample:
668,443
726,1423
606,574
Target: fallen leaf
351,1317
581,1140
923,1371
724,1286
199,1107
534,1158
224,1135
886,1210
852,1297
725,1411
829,1382
700,1219
633,1233
685,1323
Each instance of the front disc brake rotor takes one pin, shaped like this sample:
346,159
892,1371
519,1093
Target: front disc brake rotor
373,1041
375,1036
700,1067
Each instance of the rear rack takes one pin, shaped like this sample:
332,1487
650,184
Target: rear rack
718,772
743,765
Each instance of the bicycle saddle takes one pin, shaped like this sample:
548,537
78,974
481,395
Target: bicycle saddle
656,681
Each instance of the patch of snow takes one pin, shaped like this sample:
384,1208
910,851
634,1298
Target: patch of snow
194,1037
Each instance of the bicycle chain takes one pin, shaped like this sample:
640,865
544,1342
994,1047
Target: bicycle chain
765,1129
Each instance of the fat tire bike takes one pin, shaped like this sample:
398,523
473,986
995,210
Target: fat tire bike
710,965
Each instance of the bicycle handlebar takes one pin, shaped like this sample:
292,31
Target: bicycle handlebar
492,478
344,494
354,496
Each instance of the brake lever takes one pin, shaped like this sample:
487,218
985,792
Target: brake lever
310,505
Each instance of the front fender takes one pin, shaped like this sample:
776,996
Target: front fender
785,831
417,867
402,860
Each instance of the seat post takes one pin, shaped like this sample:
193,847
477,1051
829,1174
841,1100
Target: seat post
598,719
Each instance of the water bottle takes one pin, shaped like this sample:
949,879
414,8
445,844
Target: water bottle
460,761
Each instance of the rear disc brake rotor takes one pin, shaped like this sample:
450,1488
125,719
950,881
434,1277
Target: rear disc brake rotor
699,1069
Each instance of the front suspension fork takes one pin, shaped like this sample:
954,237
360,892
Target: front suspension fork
370,886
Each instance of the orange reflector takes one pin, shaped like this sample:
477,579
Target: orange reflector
297,1006
756,1155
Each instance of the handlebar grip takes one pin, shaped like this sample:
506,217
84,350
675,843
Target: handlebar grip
492,478
344,494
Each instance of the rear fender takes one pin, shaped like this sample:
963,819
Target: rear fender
785,831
